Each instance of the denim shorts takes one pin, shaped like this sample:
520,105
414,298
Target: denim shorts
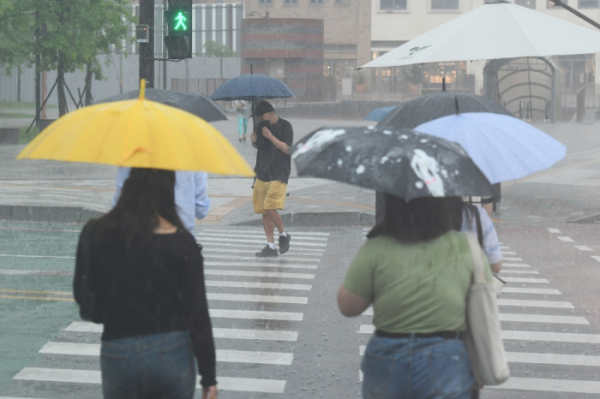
152,366
416,368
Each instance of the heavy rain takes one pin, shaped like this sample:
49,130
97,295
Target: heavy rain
299,198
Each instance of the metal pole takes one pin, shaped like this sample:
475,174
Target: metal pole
38,78
164,68
574,11
147,49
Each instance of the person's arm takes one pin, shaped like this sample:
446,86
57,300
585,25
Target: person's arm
201,194
351,305
356,293
195,307
491,244
282,145
122,175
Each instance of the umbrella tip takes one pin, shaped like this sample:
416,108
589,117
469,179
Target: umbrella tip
444,84
142,89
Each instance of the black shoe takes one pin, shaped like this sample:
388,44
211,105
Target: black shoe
267,252
284,243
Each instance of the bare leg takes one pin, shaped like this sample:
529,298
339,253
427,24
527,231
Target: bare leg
275,220
269,227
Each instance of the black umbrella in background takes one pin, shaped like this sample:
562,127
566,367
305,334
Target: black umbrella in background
400,162
194,103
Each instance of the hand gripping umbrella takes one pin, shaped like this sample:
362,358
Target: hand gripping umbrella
400,162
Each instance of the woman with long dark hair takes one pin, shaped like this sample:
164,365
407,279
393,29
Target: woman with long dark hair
415,269
146,272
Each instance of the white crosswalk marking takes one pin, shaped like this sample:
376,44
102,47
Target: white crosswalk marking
543,336
526,280
535,304
509,271
536,318
514,265
244,284
550,385
538,291
566,239
555,231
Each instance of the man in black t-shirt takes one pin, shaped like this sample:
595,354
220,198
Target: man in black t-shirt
273,139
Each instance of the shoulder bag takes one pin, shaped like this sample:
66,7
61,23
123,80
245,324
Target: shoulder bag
83,289
483,336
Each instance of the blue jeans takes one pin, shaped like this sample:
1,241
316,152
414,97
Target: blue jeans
242,126
153,366
416,368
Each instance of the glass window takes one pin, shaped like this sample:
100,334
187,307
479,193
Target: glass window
291,1
316,1
342,2
265,1
588,4
393,4
444,4
550,4
526,3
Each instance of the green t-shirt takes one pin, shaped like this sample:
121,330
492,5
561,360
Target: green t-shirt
415,288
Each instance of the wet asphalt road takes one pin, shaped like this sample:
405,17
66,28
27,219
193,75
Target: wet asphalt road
277,328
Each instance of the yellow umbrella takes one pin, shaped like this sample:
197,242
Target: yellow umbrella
138,133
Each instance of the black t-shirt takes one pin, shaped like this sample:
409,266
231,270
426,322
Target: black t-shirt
272,163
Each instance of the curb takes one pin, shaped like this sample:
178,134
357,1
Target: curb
321,219
53,214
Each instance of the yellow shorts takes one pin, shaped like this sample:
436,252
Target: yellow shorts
268,195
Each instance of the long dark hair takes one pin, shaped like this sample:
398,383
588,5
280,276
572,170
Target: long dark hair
420,219
146,194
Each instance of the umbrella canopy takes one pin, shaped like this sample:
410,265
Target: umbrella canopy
138,133
495,30
504,148
400,162
379,113
246,87
437,105
196,103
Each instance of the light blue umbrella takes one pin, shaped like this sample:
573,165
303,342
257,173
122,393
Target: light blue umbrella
379,113
503,147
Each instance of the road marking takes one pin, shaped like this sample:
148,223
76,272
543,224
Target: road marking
504,271
361,350
583,248
366,329
295,236
515,265
553,358
226,333
34,273
94,377
368,312
566,239
37,292
36,298
243,264
535,304
596,258
233,240
36,256
555,231
513,259
508,253
243,273
529,280
262,232
246,284
255,315
538,318
267,261
549,385
225,249
540,291
230,356
257,298
551,337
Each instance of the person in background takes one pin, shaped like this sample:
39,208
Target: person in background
273,139
147,271
416,270
191,195
242,111
476,220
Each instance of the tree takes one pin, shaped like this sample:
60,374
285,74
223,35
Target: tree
72,34
213,49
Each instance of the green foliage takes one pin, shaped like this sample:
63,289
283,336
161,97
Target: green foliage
213,49
414,74
25,138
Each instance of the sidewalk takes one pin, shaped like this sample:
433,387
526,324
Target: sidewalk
64,192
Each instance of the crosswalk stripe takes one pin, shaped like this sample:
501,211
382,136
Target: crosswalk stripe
508,253
277,260
295,237
257,298
526,280
553,358
535,304
596,258
262,232
549,385
35,256
555,231
243,273
219,250
514,265
230,356
252,248
255,315
537,318
543,336
366,329
540,291
583,248
234,240
257,264
226,333
94,377
512,259
504,271
247,284
566,239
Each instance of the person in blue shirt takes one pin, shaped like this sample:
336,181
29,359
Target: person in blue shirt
191,195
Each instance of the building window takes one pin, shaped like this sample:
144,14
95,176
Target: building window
588,4
316,1
393,4
550,4
265,1
444,4
291,2
342,2
526,3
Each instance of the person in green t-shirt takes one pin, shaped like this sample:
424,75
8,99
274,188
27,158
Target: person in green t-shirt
415,270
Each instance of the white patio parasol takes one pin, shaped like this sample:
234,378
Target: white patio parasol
494,30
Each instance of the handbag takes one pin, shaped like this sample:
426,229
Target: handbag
83,290
483,337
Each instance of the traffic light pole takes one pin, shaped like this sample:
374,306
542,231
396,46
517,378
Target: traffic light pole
574,11
146,50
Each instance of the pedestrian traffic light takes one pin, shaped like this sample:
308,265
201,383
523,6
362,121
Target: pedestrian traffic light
178,19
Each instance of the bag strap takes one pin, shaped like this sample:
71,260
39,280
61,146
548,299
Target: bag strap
478,274
479,228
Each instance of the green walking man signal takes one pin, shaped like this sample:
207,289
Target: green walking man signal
178,38
181,21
